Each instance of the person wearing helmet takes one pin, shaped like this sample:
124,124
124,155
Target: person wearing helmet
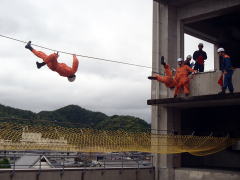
188,61
199,56
168,79
51,61
227,70
182,77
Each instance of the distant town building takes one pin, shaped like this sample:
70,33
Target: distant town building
33,161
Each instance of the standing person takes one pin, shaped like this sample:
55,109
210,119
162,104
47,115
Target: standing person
51,61
227,69
199,56
188,61
168,78
182,77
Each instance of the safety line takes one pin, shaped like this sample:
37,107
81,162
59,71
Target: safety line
80,55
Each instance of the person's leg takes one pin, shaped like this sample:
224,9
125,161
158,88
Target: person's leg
36,53
230,85
225,84
196,67
39,54
176,92
178,88
201,67
161,79
168,71
186,87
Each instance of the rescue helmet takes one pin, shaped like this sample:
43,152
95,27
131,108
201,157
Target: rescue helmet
220,50
72,78
179,59
189,57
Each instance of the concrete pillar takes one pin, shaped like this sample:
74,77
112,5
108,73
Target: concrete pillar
168,122
167,42
216,58
166,39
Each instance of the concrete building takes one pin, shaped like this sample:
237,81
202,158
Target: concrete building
215,21
32,161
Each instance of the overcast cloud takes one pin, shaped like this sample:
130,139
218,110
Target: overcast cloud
120,30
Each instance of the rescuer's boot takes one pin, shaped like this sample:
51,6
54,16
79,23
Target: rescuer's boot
39,65
222,92
28,46
162,61
152,78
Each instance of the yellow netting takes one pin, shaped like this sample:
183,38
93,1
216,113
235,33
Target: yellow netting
42,136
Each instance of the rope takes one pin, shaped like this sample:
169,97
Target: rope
47,136
80,55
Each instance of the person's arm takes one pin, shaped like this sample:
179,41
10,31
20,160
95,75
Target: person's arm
195,56
193,72
204,55
75,64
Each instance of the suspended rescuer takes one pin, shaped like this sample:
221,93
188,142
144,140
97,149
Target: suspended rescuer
51,61
168,78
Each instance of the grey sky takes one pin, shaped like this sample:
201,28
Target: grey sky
119,30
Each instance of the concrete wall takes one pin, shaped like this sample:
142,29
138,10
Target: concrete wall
206,84
194,174
79,174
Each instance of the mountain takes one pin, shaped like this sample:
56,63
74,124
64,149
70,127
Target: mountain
73,114
6,111
128,123
76,116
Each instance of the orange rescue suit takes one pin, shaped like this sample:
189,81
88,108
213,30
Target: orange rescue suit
182,79
168,79
61,68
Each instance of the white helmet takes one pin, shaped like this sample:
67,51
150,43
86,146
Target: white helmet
220,50
179,59
189,57
72,78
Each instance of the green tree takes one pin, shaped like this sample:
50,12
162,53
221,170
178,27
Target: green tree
4,163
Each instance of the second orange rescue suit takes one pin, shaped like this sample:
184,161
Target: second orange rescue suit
182,79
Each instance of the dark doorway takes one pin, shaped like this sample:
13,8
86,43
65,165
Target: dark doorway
221,121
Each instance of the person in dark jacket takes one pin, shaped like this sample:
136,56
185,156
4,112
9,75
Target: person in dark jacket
199,56
227,70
